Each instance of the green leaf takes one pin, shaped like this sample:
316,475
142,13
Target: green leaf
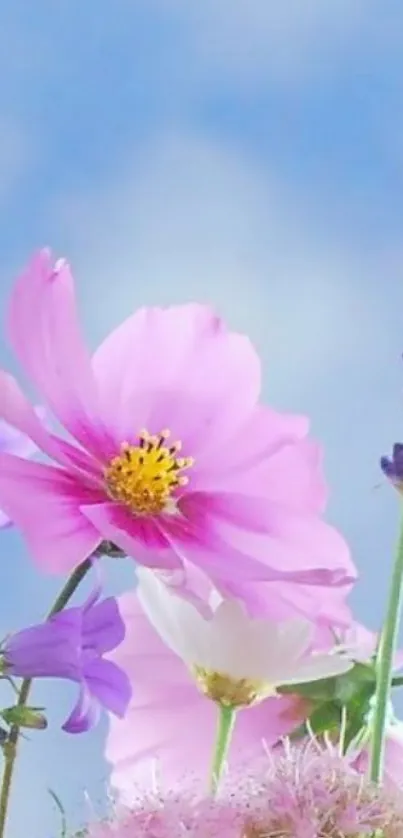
358,682
325,718
341,688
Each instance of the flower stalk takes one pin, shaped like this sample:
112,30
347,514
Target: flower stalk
226,724
10,747
384,663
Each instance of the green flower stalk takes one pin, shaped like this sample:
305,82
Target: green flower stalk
226,724
384,663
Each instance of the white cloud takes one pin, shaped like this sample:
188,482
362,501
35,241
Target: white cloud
190,219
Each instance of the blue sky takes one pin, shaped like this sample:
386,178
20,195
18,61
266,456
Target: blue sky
229,152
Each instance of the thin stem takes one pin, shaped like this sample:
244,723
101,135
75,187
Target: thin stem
70,587
226,723
384,664
11,746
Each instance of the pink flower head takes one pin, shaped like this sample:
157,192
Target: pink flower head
308,793
183,810
169,721
170,457
18,444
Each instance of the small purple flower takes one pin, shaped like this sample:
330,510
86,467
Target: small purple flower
392,467
71,645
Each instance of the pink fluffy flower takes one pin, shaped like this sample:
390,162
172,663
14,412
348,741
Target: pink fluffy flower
308,793
169,721
169,454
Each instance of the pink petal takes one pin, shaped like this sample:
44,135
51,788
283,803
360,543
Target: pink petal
294,548
44,502
4,520
279,601
178,368
291,475
19,413
13,441
137,536
206,545
43,330
394,757
264,433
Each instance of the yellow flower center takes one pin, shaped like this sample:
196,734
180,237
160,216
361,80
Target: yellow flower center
144,476
229,691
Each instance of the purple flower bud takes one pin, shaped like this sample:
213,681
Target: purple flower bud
71,645
31,717
392,467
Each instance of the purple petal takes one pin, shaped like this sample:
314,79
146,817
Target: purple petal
52,649
103,627
392,467
110,685
84,715
387,467
398,451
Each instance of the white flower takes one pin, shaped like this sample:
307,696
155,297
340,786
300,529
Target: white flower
235,660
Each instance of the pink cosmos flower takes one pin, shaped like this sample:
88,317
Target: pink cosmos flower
169,455
169,721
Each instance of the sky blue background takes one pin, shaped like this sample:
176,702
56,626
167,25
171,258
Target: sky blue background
238,153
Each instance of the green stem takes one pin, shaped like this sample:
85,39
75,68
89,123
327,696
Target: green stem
398,681
384,664
226,724
11,746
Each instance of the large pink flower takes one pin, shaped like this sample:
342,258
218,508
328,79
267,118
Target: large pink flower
169,455
170,726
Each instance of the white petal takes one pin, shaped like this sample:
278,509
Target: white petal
294,639
258,649
315,668
236,646
176,620
282,647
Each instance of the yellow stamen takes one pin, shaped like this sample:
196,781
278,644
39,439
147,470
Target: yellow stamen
229,691
144,476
